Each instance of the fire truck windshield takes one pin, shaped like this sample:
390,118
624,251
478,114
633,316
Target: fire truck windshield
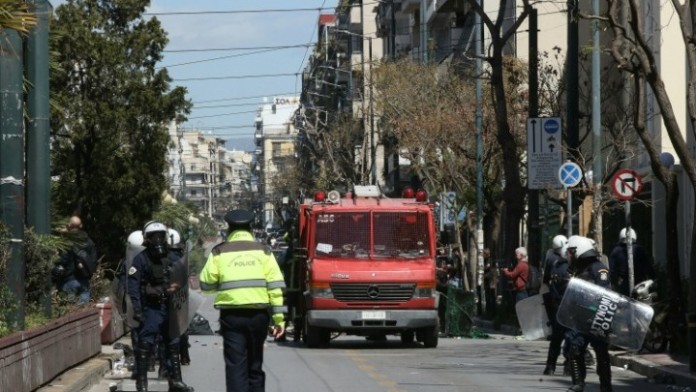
377,234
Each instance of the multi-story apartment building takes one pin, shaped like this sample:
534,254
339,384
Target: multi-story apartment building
202,172
275,153
443,30
338,80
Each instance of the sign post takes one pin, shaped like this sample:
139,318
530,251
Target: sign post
544,152
570,175
625,185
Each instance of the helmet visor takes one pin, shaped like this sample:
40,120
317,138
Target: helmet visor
157,238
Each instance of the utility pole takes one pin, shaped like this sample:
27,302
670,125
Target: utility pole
535,249
38,133
479,160
373,155
12,168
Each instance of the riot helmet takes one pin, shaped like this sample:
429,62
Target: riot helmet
173,237
155,238
631,233
136,238
559,241
579,247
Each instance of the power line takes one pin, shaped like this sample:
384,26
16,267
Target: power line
223,114
247,97
227,105
273,75
238,48
224,57
225,12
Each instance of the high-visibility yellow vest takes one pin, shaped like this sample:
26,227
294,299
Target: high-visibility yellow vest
244,274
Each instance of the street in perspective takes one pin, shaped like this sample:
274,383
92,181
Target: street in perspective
499,362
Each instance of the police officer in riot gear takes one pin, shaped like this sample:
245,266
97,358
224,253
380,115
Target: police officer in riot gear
249,284
556,278
618,262
148,286
584,263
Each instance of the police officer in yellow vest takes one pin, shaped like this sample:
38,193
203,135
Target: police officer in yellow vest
249,285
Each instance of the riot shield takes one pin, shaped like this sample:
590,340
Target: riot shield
178,299
531,314
119,286
605,314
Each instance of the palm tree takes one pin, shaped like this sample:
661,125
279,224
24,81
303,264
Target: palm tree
16,15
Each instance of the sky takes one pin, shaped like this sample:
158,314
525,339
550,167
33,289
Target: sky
226,84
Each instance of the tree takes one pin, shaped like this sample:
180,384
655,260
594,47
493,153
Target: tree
427,113
111,109
631,49
16,15
499,36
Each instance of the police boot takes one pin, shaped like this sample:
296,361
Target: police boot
141,365
184,352
577,374
566,368
604,371
175,382
550,368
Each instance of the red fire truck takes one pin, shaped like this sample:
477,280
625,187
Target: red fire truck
365,265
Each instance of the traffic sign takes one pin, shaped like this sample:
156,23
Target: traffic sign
626,184
570,174
544,152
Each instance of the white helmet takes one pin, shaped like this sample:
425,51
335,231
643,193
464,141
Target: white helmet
173,237
136,238
581,247
559,241
631,232
155,234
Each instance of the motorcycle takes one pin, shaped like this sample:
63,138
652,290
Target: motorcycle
660,333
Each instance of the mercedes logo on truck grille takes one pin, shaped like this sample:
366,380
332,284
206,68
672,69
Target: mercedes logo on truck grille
373,292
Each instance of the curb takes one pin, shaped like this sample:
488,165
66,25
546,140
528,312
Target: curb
82,376
659,374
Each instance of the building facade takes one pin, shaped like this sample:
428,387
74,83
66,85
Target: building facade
201,171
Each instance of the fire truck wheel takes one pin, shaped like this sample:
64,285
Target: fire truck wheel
316,337
407,337
429,336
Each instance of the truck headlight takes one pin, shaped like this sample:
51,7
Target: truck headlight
321,292
423,292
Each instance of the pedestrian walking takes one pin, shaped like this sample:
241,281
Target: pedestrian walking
585,263
148,286
248,283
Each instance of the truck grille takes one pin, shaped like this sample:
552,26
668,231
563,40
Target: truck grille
371,292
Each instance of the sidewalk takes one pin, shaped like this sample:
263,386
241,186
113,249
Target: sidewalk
664,369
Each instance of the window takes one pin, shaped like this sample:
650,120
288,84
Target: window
343,234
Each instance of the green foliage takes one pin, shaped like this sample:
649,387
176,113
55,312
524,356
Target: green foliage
110,113
40,253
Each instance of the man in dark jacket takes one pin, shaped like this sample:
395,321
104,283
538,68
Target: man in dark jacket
76,266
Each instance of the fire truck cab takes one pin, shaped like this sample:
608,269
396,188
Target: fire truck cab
365,265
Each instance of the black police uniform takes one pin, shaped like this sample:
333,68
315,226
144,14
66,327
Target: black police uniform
618,263
147,285
592,270
556,277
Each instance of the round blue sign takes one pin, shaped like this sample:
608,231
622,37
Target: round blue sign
570,174
551,125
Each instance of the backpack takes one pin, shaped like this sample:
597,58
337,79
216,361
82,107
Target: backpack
533,279
86,255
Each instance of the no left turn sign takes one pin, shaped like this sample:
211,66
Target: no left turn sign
626,184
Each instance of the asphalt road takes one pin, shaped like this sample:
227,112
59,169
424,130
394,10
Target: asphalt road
350,364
